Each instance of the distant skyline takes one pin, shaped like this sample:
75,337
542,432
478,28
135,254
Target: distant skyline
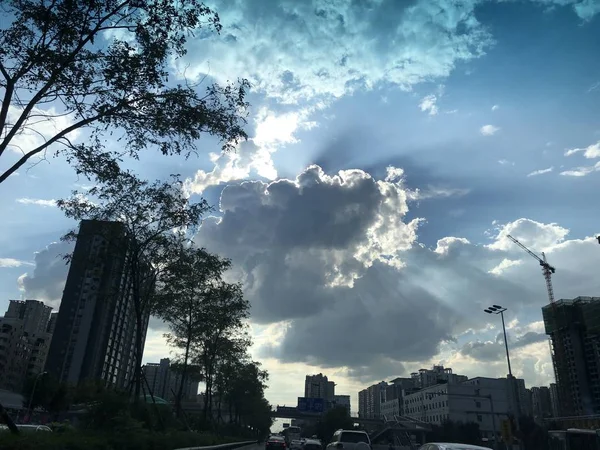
393,148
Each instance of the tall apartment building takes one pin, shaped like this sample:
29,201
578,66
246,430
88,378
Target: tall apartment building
437,375
370,400
542,403
318,386
95,327
25,333
574,330
164,381
462,402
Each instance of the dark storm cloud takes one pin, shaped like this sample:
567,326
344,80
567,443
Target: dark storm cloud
47,281
332,258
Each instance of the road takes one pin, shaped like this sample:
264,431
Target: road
260,446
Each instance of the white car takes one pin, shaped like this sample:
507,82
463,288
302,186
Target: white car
296,444
312,444
451,446
350,440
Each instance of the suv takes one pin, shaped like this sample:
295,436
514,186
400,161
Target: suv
349,440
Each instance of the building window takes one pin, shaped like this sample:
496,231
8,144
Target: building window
479,418
478,404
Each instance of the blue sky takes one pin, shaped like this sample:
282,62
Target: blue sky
476,103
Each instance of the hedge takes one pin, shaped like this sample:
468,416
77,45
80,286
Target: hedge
78,440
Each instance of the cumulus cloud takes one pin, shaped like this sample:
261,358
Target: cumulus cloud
540,172
47,281
590,152
333,263
428,104
489,130
36,201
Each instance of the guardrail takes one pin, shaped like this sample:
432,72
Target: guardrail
229,446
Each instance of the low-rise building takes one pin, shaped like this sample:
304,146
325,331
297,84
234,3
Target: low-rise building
391,408
470,401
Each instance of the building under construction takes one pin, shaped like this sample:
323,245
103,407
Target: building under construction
574,330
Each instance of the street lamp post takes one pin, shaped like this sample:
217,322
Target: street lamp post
32,394
497,309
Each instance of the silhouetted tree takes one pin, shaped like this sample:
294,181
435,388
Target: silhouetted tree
224,332
155,217
102,67
334,419
186,282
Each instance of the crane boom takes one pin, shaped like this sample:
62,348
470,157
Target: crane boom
547,269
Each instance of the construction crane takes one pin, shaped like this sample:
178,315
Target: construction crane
547,269
554,344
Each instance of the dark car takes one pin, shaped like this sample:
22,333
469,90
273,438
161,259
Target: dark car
275,443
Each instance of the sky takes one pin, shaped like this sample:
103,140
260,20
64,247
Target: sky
393,148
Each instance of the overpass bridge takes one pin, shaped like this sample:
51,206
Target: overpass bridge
293,413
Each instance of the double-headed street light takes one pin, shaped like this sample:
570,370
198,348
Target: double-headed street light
497,309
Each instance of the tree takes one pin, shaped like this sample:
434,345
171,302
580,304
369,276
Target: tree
102,67
155,217
334,419
224,332
184,285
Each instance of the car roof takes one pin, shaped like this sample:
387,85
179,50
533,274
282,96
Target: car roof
456,445
312,441
276,436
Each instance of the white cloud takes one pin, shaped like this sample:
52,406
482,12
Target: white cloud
535,235
594,86
495,107
590,152
436,192
540,172
36,201
47,280
489,130
11,262
506,162
272,131
339,47
428,104
582,171
42,125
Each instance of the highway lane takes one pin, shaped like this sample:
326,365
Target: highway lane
260,446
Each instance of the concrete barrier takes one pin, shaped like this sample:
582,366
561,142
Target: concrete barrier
229,446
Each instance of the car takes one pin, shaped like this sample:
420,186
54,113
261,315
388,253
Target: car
296,444
350,440
312,444
28,428
275,443
451,446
